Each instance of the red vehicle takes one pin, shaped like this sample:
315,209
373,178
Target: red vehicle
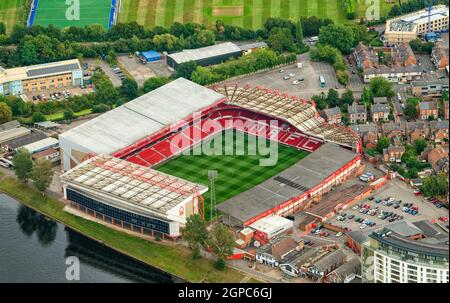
415,208
443,219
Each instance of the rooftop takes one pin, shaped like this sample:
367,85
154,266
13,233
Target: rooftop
141,117
41,144
28,138
41,70
377,108
205,52
131,186
408,22
294,181
245,47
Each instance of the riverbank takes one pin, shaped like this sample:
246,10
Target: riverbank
174,259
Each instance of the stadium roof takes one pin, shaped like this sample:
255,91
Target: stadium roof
148,114
41,70
131,186
294,181
205,52
299,113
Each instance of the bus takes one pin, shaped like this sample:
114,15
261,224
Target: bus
322,81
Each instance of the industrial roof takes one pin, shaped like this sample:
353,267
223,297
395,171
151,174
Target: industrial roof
31,137
13,133
408,22
294,181
253,45
143,116
131,186
47,69
270,224
9,125
205,52
300,113
41,144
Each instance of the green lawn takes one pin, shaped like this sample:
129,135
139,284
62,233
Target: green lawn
13,12
175,259
236,174
91,12
252,15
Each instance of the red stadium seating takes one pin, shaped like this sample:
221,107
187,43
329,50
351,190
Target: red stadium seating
220,119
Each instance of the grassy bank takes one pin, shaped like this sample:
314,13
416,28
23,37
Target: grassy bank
174,259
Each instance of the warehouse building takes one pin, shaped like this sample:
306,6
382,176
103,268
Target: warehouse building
409,27
130,196
42,77
41,145
27,137
293,189
205,56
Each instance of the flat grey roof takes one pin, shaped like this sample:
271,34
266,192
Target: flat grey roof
245,47
141,117
205,52
52,70
302,176
34,136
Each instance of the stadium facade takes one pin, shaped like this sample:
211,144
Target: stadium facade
162,124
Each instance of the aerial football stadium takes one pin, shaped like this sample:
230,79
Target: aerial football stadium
136,166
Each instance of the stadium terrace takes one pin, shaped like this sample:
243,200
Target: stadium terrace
143,131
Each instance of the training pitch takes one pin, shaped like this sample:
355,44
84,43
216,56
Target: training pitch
90,12
244,13
236,174
12,12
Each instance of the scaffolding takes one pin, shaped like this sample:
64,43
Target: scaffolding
143,187
299,112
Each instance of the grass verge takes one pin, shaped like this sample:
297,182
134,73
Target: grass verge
172,258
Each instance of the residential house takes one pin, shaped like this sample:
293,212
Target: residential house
50,154
417,130
429,89
380,112
368,132
277,250
428,109
333,115
393,129
439,131
327,264
435,156
380,100
439,55
345,273
401,65
357,113
393,153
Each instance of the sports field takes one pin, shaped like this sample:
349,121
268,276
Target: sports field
59,14
13,12
236,174
244,13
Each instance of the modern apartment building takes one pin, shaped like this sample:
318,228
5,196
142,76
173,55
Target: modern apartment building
42,77
406,253
408,27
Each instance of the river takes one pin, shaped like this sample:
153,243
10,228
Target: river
35,249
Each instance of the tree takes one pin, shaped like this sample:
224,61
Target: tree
5,113
435,186
366,97
338,36
380,87
38,117
129,88
281,39
382,143
153,83
100,108
68,114
333,98
186,69
196,234
222,241
420,145
299,34
22,165
42,174
347,97
2,28
411,111
203,76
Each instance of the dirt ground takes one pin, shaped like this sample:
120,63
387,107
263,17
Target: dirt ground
236,11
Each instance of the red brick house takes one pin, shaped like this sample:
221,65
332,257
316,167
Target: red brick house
428,109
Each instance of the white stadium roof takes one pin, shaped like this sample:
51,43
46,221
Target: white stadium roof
131,186
143,116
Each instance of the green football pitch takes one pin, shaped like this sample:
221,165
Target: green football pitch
12,12
235,173
243,13
59,14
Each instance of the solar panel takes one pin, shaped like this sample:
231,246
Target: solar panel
52,70
291,183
